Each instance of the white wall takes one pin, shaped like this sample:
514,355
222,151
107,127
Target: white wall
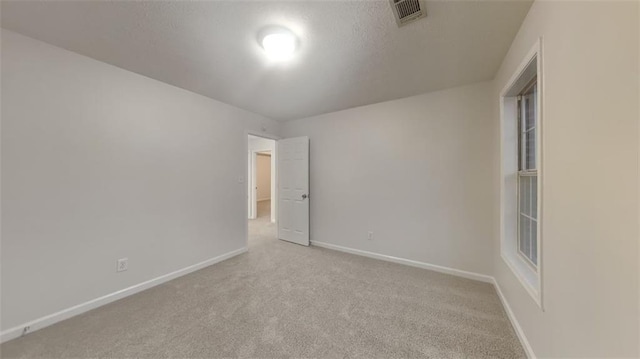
263,176
106,163
99,163
415,171
590,180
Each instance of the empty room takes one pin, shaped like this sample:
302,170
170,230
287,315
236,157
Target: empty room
320,179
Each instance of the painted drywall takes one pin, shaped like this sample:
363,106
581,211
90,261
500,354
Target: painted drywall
261,144
263,177
415,171
590,180
99,163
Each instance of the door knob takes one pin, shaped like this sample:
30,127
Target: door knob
304,196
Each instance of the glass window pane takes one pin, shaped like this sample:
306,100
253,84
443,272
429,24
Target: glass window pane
529,111
534,197
522,157
528,125
530,145
534,242
524,235
525,203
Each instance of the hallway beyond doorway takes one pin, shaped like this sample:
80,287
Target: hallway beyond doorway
264,209
261,229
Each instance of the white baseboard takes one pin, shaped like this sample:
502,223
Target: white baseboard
98,302
95,303
514,322
409,262
457,272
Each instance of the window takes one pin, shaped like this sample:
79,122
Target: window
521,173
527,174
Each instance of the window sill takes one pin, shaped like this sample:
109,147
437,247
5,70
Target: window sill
526,275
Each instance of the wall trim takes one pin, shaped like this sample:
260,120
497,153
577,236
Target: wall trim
50,319
434,267
514,322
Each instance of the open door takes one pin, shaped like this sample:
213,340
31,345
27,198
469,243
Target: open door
293,193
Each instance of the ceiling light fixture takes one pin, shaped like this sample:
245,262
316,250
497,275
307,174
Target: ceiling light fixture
279,43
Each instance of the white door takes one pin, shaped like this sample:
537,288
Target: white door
293,194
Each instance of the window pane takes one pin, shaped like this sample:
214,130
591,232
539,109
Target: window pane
529,111
530,145
522,204
524,235
534,242
534,197
522,151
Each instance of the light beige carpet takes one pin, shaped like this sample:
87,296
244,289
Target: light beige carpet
285,300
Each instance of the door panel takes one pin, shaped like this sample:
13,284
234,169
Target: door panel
293,185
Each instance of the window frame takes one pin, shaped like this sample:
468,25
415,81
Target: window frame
530,276
523,171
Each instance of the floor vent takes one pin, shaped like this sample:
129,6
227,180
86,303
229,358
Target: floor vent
407,11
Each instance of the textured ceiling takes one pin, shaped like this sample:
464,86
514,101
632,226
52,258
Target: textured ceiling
351,52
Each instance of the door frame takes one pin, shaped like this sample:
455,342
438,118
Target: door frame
250,158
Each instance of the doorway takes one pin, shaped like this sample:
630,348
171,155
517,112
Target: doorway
261,189
263,184
277,190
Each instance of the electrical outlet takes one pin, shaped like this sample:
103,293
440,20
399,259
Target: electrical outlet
122,264
370,235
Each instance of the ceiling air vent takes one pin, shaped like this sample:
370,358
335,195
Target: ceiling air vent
407,11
